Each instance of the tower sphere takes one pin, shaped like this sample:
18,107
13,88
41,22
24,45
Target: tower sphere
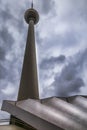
31,14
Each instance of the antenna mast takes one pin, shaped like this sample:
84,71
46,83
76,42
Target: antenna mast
32,4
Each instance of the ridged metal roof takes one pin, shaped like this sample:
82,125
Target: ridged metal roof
52,113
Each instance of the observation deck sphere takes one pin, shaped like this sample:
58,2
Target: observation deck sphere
31,14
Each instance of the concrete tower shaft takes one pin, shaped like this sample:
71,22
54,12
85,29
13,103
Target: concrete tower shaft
29,80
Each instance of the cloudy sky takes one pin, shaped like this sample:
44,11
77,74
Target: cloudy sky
61,40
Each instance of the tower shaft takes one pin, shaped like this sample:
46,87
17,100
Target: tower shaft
29,81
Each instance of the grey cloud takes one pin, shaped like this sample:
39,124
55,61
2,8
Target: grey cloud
75,11
47,5
3,72
51,62
75,14
5,15
7,68
38,39
81,59
9,17
20,27
70,39
69,81
2,53
6,42
4,93
7,97
10,69
4,115
72,73
6,38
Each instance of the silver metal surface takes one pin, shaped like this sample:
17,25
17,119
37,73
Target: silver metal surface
51,112
70,110
79,102
28,117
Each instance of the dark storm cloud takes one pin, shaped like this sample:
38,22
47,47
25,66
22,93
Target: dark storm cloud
77,12
6,38
2,53
10,64
7,97
3,72
70,80
47,6
5,15
70,39
51,62
81,59
6,42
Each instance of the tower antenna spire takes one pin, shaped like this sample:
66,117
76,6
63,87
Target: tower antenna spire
32,5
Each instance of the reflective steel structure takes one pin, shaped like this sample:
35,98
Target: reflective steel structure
52,113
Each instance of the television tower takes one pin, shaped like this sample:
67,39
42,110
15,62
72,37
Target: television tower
29,80
55,113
